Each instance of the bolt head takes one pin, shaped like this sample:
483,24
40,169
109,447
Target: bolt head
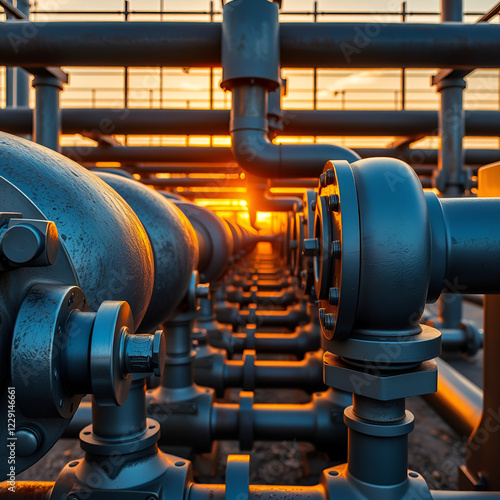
30,242
333,296
322,180
336,249
333,203
159,353
330,176
21,244
27,442
327,320
311,247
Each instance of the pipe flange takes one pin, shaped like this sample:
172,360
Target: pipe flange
110,382
337,263
389,352
37,351
96,445
238,477
298,237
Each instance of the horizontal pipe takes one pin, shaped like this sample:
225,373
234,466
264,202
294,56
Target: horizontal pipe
138,154
306,374
389,45
297,343
158,154
302,45
259,492
464,495
106,121
193,182
27,490
186,168
31,490
141,44
270,422
457,400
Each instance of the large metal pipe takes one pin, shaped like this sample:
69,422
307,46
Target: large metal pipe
458,401
303,45
108,121
207,155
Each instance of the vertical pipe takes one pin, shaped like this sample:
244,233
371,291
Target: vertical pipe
10,94
375,458
403,70
450,179
9,86
22,77
125,72
47,113
315,71
118,422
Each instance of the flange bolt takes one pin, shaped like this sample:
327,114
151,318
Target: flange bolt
311,247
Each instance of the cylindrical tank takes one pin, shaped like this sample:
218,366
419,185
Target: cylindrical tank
173,240
214,241
105,240
237,238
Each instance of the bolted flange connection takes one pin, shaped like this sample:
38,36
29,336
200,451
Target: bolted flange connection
90,353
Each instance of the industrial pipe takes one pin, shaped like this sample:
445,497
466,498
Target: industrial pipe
106,121
223,155
458,401
303,45
256,154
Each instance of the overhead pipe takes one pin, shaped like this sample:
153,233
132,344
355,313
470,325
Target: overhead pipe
155,154
357,123
223,155
303,45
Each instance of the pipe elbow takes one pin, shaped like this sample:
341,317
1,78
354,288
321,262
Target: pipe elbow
308,160
257,155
